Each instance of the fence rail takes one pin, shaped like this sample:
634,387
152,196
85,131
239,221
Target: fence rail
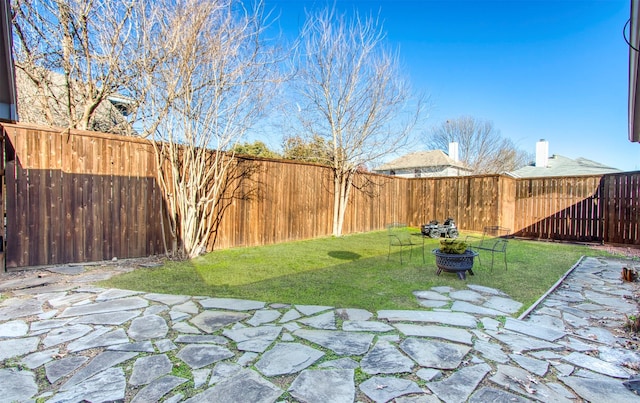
74,196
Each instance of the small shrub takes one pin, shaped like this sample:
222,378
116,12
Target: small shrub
453,246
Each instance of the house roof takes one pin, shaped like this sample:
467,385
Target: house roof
422,159
558,165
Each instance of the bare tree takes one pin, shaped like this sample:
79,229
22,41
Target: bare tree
205,77
351,93
481,147
71,57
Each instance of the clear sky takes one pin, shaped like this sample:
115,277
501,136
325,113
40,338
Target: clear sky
553,70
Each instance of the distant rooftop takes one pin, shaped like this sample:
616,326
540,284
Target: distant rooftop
421,159
557,165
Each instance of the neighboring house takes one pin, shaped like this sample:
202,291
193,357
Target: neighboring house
109,117
423,164
557,165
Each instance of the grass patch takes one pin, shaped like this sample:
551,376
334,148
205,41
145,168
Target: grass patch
350,272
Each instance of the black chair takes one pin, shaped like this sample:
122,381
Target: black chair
400,237
494,240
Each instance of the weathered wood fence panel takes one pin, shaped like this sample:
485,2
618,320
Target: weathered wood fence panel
83,196
79,197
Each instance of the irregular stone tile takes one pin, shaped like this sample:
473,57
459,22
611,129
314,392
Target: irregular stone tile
506,305
200,355
224,370
598,334
429,374
99,339
309,310
383,389
291,326
432,295
494,395
434,354
140,346
335,385
548,321
231,304
70,299
256,339
354,314
148,327
463,306
537,331
342,343
326,321
68,270
290,315
417,399
575,321
365,326
459,386
183,327
167,299
165,345
467,295
17,347
340,363
443,289
490,324
384,358
106,386
147,369
116,305
177,316
115,294
17,386
158,389
563,369
574,311
264,316
211,321
438,332
569,296
109,318
37,327
486,290
578,345
157,309
14,328
522,343
38,358
427,303
599,390
446,318
65,334
546,355
287,358
491,351
200,377
519,380
619,356
100,363
188,307
199,339
63,367
246,383
533,365
15,308
597,365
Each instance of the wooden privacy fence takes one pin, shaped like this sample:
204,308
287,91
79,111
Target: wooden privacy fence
74,196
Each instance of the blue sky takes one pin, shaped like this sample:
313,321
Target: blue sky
556,70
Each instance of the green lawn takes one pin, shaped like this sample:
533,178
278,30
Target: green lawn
350,272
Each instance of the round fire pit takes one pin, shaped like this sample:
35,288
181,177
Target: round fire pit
455,263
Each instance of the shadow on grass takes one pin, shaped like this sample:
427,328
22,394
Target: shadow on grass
344,255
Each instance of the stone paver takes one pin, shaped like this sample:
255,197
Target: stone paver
81,343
